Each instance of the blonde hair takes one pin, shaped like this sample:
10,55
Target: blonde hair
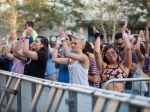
81,38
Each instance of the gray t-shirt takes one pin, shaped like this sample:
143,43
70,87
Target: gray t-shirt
128,85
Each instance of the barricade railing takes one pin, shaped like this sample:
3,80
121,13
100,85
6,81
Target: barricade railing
129,80
40,95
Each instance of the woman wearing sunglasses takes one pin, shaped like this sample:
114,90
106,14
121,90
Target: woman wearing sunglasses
108,63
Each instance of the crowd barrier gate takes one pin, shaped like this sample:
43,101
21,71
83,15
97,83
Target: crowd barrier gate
129,80
40,95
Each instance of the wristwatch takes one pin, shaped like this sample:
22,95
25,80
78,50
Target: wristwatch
27,37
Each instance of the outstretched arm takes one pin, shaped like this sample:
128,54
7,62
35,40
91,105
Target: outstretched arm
99,61
128,56
147,40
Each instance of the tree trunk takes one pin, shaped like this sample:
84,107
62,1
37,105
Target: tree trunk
102,23
115,20
14,16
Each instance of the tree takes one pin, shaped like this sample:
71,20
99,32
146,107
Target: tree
9,15
68,11
45,13
138,12
107,18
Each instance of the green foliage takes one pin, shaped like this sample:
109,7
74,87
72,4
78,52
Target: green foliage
139,13
45,13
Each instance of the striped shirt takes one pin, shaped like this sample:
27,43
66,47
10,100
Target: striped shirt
93,70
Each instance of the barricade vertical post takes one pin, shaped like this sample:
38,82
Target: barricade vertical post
132,87
123,87
7,95
94,100
33,90
19,99
141,88
72,101
113,86
149,89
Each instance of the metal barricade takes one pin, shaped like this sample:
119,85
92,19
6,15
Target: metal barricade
129,80
40,95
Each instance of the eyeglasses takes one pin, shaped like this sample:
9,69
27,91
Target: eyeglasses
111,53
118,44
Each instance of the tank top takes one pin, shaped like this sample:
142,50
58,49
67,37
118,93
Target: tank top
78,74
112,73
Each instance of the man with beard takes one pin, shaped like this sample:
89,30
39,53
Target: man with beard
119,43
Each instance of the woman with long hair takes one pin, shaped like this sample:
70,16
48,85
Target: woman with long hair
37,57
108,63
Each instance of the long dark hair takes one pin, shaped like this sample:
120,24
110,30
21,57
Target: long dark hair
44,41
88,48
104,53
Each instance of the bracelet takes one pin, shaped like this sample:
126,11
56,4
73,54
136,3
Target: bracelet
27,37
63,39
140,39
13,42
57,46
125,35
22,38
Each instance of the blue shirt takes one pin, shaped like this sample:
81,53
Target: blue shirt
50,68
63,75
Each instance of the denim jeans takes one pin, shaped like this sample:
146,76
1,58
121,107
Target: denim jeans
129,91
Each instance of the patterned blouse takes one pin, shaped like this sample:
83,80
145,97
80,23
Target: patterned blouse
112,73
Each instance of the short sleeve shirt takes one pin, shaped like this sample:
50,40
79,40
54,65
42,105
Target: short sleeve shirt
36,68
128,85
93,70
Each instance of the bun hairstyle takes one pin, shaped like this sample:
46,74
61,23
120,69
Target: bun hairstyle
105,50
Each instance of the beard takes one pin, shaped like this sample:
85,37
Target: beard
121,49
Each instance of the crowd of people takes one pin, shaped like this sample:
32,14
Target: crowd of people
79,61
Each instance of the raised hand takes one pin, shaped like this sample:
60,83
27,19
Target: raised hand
61,33
29,32
58,41
68,32
97,33
141,34
148,25
81,30
129,32
124,27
